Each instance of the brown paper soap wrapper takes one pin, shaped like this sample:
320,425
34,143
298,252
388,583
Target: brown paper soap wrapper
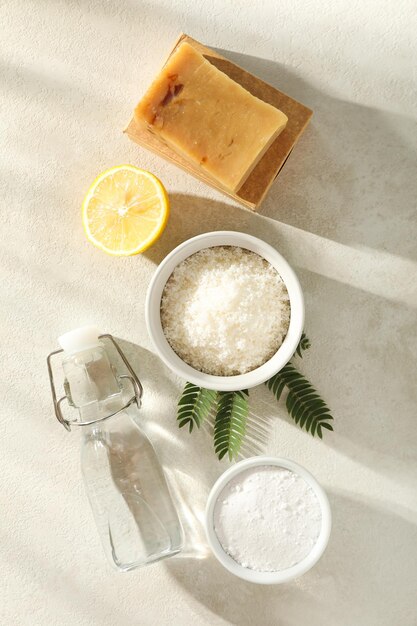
263,175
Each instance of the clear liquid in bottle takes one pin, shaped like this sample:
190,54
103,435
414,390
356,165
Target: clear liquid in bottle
125,483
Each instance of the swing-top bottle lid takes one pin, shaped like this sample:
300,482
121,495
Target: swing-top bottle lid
80,339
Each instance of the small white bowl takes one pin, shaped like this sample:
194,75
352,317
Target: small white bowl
153,311
282,576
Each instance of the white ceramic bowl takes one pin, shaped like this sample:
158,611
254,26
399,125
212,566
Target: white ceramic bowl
282,576
153,311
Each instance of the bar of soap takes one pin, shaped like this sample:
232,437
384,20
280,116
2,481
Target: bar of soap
207,118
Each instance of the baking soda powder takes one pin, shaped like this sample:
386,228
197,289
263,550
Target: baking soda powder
267,518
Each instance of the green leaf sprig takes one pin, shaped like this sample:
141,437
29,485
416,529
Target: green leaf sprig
231,408
195,405
230,423
303,403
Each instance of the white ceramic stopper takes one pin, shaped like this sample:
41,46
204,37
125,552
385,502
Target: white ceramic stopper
80,339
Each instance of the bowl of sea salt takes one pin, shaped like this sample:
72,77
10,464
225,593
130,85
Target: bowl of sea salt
267,520
225,311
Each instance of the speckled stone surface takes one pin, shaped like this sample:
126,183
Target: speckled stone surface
343,213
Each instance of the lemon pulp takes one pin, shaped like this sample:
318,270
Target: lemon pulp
125,210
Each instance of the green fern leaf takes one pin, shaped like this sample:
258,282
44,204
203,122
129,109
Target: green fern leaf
303,402
194,405
303,344
230,422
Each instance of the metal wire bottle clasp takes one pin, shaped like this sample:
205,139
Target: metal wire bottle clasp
134,380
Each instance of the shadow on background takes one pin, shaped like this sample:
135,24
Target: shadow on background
352,176
369,545
192,215
351,180
351,584
355,357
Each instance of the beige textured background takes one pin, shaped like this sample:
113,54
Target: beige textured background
342,212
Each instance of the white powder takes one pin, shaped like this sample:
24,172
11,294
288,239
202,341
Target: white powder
267,518
225,310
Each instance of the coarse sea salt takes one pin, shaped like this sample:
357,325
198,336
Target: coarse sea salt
267,518
225,310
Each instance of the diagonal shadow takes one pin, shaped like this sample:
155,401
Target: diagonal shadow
370,546
352,176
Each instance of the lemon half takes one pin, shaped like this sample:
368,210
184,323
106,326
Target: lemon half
125,210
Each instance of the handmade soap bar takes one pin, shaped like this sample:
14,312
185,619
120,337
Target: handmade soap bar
208,118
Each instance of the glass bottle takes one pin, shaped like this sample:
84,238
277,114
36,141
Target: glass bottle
125,483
